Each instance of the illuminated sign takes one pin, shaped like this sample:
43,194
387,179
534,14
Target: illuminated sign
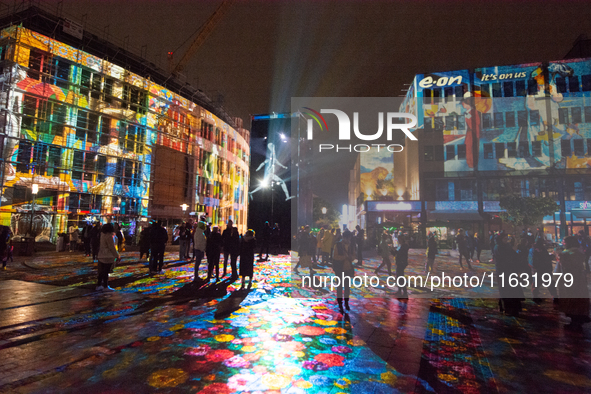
585,205
393,205
428,82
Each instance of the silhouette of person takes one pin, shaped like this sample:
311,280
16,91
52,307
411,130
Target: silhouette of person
269,164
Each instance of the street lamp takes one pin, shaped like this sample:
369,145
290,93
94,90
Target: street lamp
324,210
34,191
184,207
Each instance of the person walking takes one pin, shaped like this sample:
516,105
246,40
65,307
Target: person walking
574,299
158,240
477,246
401,264
540,262
247,251
107,257
199,244
342,266
95,240
385,249
5,245
145,243
213,248
74,232
432,251
462,248
327,243
276,239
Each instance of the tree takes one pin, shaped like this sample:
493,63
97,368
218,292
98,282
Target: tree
526,211
332,216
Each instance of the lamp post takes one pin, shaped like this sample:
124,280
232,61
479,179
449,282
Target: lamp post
324,210
184,207
34,191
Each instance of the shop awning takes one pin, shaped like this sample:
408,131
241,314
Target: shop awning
453,216
581,213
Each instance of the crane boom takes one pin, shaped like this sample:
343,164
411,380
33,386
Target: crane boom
203,34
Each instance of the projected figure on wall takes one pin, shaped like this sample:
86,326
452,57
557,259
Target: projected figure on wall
270,175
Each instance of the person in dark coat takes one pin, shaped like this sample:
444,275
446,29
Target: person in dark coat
231,245
213,248
247,247
120,238
540,262
477,246
359,240
276,239
265,241
506,262
463,248
95,240
86,238
401,264
145,243
158,240
431,253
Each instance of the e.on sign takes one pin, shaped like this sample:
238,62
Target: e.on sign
429,82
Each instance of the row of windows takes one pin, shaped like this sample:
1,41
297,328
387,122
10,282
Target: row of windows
574,115
574,188
507,119
503,150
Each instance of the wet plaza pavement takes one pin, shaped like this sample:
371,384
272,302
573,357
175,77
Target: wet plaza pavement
164,333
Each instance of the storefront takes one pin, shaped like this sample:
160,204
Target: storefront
400,216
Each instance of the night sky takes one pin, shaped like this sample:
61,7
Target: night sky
264,52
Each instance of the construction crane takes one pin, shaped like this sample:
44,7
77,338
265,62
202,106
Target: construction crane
204,32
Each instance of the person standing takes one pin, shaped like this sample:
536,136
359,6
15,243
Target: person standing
158,240
108,255
540,262
432,251
401,264
585,243
276,239
470,245
574,299
477,246
326,246
5,245
120,238
213,248
265,241
506,262
359,240
86,238
95,240
74,232
491,238
231,246
319,237
247,250
199,244
184,237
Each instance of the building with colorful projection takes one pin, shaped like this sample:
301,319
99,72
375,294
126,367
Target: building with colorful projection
510,130
90,131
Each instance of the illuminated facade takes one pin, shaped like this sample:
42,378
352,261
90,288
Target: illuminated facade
106,141
493,131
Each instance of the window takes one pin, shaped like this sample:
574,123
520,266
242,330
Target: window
428,127
54,161
586,79
36,59
561,85
500,150
576,114
486,121
587,114
450,152
579,147
78,162
520,88
438,124
498,120
589,147
62,73
428,153
40,158
523,149
450,122
441,190
449,94
496,90
536,147
459,91
532,87
438,152
485,90
461,152
90,82
427,94
573,84
488,150
565,148
522,118
510,119
461,122
508,89
563,115
511,149
534,117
